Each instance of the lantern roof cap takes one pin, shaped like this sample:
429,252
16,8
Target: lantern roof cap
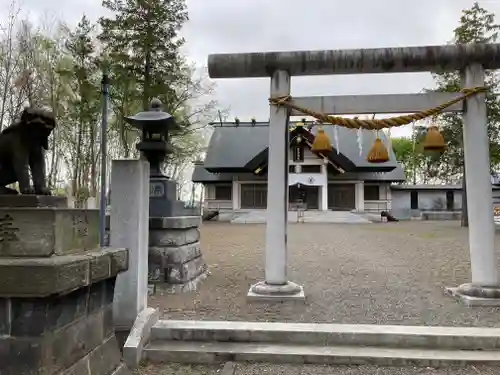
153,120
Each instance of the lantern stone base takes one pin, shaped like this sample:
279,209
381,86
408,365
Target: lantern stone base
163,200
162,196
176,263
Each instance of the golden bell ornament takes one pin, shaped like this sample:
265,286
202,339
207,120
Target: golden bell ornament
434,140
378,153
321,142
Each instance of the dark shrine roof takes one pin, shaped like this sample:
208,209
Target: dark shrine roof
233,150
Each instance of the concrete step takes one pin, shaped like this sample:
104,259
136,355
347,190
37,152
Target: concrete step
329,334
216,352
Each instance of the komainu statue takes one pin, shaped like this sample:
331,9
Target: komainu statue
22,148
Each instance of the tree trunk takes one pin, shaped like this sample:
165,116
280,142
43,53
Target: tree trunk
147,81
465,213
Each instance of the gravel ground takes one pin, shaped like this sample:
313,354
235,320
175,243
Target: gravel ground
390,273
262,369
177,369
258,369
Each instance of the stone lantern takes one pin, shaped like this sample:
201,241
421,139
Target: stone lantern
155,126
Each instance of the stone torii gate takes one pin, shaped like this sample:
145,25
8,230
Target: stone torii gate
470,60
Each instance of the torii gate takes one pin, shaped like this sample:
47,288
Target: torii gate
471,60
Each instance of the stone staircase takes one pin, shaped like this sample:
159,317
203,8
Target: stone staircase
335,344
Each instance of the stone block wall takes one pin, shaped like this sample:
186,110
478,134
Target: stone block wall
56,302
61,323
176,263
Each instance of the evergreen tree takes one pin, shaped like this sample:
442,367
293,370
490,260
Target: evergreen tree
142,42
477,25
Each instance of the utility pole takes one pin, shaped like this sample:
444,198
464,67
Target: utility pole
104,151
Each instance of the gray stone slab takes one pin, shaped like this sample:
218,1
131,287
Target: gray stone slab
400,336
269,298
104,359
179,222
174,255
183,273
139,336
40,277
190,286
173,237
209,352
162,197
162,260
32,232
33,201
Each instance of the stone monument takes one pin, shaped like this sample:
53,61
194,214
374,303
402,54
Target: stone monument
56,284
56,290
175,260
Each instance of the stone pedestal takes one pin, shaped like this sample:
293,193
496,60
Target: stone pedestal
162,196
163,200
33,201
56,292
175,262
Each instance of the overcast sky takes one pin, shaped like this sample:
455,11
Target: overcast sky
221,26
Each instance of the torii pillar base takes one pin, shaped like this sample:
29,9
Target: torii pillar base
476,295
263,292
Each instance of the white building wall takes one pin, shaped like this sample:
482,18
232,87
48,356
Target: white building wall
428,200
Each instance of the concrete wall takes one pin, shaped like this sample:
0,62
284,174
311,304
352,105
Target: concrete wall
428,200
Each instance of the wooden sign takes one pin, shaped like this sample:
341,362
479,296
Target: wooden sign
298,153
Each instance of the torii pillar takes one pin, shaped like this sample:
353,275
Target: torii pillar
276,285
484,288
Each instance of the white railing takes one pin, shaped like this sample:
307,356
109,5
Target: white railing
213,204
377,206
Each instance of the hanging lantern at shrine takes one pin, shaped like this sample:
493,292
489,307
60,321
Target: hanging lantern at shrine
434,140
378,153
321,142
298,148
